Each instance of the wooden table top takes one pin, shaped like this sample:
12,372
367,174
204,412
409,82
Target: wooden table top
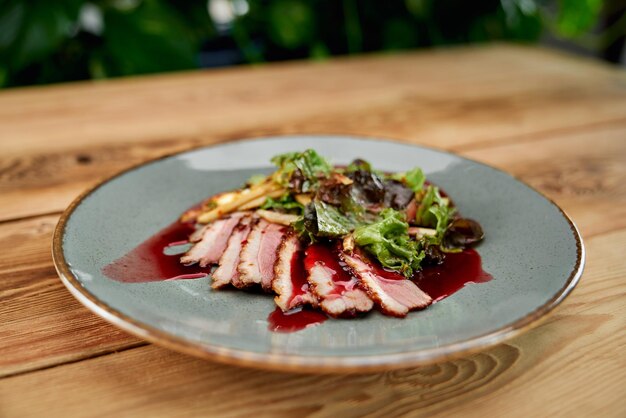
556,121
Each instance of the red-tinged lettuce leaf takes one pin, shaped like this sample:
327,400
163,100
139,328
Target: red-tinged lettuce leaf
461,233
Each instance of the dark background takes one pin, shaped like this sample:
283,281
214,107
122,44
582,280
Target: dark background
47,41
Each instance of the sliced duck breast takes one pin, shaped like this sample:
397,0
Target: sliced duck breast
227,272
259,254
335,288
211,241
290,278
395,295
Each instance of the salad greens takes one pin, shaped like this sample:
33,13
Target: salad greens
256,179
321,220
300,171
285,203
388,240
399,219
434,211
413,178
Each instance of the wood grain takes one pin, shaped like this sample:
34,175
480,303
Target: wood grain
590,186
519,84
31,185
540,364
42,324
583,172
556,122
56,141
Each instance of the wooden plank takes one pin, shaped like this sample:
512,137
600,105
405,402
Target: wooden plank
26,245
590,186
480,93
42,324
31,185
584,172
541,365
46,182
533,90
56,141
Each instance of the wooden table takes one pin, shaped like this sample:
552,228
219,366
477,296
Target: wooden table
556,121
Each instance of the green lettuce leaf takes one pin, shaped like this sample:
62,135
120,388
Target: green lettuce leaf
256,179
443,215
321,220
387,239
423,216
436,212
414,179
358,165
285,203
309,165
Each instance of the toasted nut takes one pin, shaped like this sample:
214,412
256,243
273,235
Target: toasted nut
348,243
420,232
303,198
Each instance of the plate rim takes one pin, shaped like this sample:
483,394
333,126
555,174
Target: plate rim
295,362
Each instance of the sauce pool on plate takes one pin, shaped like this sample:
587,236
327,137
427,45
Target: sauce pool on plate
149,262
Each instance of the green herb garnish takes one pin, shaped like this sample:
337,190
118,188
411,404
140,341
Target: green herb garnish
388,240
285,203
300,171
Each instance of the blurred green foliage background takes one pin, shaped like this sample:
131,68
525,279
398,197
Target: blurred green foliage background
47,41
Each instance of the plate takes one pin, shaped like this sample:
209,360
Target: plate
532,249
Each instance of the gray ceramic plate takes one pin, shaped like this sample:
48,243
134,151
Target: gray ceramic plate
532,249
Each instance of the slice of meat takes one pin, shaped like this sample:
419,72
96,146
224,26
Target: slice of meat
395,295
335,288
211,246
227,270
259,254
249,272
198,234
290,278
268,253
247,266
